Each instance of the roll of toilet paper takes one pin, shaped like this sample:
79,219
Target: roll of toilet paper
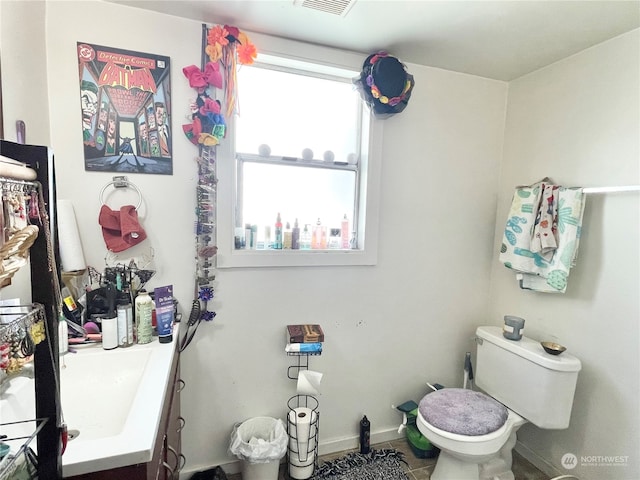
309,382
71,254
303,427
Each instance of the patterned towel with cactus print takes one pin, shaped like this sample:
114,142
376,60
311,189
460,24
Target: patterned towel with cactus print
535,271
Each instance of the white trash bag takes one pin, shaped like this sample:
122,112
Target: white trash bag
259,440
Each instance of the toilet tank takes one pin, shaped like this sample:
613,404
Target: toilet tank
521,375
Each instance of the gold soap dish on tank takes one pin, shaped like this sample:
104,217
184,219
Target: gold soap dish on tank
553,348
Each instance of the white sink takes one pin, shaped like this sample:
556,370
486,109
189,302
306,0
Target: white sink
88,384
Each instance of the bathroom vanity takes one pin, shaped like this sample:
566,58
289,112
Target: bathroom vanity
136,432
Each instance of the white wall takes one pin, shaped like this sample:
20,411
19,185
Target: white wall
577,121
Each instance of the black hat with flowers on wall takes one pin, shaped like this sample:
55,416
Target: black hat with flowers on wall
384,84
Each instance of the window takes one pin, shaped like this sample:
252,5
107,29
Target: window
288,109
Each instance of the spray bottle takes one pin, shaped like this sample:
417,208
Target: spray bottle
365,434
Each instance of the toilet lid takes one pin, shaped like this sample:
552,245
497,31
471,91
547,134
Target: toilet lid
461,411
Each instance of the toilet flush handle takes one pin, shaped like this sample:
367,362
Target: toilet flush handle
479,340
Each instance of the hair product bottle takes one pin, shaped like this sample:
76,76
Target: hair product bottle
305,237
125,320
365,433
164,313
318,236
295,236
144,310
110,322
288,237
277,241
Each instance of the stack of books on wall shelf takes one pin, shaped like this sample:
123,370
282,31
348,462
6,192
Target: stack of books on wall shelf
304,339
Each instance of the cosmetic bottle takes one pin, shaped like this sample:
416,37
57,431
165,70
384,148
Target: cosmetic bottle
295,236
238,238
277,241
125,319
110,321
365,433
287,237
344,233
254,237
163,297
267,237
305,237
334,239
72,311
248,244
144,310
63,335
317,237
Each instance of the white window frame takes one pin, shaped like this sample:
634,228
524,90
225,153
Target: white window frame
291,53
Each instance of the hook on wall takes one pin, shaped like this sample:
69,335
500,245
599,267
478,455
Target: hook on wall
120,181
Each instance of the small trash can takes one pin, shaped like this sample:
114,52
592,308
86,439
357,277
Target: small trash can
259,443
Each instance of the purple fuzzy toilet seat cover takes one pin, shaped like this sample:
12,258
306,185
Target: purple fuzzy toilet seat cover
465,412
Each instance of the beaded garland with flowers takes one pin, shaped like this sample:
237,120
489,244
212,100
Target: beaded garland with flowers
226,46
231,46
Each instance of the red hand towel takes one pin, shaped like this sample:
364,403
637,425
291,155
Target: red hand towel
121,230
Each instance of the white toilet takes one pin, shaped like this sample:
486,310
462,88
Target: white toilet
476,431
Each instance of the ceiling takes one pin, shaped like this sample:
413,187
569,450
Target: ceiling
502,40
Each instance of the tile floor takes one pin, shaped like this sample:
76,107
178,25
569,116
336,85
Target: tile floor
420,469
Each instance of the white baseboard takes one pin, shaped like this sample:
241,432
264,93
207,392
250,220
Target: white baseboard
536,460
324,448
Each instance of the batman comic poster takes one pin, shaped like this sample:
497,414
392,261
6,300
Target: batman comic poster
125,101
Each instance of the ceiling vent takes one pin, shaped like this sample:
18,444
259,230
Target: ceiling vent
335,7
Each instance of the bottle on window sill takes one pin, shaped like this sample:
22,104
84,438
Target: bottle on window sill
344,233
295,236
305,238
267,237
334,239
319,236
277,242
287,237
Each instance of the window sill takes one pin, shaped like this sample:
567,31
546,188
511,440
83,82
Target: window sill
294,258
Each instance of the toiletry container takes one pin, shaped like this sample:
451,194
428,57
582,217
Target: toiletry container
334,239
365,434
164,313
287,237
144,310
344,233
512,328
277,242
295,236
109,332
305,238
125,320
110,321
63,335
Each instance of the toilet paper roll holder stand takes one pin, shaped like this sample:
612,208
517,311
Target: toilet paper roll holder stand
302,464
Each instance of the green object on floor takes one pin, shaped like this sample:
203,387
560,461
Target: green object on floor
420,446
